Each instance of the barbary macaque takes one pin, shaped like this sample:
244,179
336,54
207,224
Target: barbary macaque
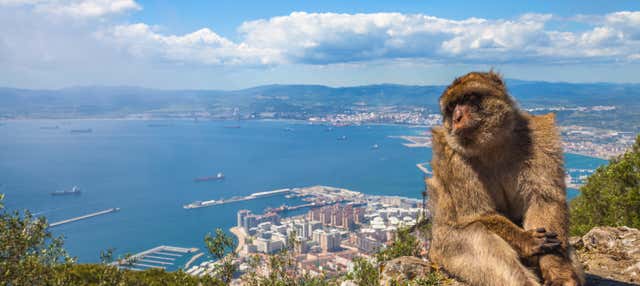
498,196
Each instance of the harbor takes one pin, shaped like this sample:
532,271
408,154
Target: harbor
104,212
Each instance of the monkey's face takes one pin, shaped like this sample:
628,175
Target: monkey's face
462,117
477,113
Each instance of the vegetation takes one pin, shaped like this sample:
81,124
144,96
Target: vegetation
611,195
364,273
405,244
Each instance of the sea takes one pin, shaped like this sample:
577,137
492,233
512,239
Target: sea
147,169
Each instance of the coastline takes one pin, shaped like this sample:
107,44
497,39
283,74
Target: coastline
240,235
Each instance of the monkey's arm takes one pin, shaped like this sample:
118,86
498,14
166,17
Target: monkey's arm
542,183
447,211
525,243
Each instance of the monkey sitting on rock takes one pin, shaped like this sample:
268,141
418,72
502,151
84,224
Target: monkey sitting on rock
498,195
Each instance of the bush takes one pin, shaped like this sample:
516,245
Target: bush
611,196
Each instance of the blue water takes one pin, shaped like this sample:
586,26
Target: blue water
148,172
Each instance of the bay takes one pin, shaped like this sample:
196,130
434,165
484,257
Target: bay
147,169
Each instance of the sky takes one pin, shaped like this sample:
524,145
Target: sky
47,44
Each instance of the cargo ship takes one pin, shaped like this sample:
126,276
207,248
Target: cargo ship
74,191
87,130
49,127
217,177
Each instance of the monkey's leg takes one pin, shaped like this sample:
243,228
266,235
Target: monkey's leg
479,257
561,268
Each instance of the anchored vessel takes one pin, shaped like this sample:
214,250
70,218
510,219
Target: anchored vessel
88,130
74,191
217,177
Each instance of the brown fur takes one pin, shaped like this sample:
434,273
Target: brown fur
494,185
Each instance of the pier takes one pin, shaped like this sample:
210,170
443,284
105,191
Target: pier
161,257
258,195
424,169
192,260
107,211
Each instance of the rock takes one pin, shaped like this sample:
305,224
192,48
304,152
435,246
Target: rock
409,268
404,268
611,253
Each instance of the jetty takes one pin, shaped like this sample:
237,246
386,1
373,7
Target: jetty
423,168
107,211
161,257
258,195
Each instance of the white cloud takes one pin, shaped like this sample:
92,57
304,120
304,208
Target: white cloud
77,8
200,47
327,38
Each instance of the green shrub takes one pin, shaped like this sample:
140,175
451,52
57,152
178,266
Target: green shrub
611,196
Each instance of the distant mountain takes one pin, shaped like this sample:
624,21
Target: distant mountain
292,101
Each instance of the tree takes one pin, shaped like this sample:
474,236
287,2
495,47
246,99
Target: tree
28,251
222,247
364,273
404,244
611,195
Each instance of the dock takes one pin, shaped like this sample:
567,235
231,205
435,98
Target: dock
160,257
258,195
192,260
107,211
424,169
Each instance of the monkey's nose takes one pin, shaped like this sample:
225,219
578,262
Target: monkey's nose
457,115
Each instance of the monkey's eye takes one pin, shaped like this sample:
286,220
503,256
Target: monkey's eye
475,98
450,107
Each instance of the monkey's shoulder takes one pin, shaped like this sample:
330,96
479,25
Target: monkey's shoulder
543,131
439,145
545,143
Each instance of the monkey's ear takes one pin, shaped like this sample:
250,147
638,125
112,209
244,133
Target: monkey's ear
495,77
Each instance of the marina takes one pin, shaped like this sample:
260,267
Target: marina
107,211
161,257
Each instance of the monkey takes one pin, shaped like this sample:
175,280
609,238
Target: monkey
505,166
474,205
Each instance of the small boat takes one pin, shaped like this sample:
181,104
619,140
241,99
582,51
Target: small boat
74,191
375,146
217,177
342,138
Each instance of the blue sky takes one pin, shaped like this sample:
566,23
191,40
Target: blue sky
238,44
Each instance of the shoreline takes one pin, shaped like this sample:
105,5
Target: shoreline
240,235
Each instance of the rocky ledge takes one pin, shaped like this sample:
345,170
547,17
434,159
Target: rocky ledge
610,255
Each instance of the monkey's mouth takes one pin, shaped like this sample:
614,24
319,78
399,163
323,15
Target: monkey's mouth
467,130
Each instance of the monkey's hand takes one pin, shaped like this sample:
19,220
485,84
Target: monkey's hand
540,242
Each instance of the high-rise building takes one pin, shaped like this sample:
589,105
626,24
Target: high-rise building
241,215
330,241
